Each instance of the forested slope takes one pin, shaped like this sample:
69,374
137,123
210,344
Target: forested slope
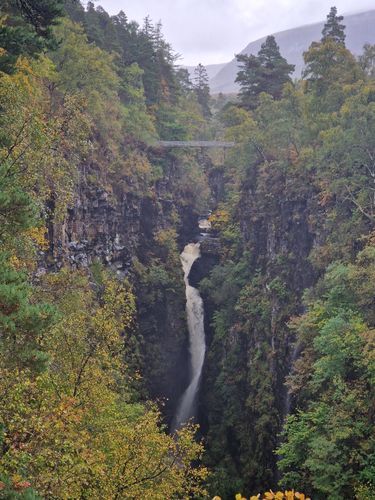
293,298
90,215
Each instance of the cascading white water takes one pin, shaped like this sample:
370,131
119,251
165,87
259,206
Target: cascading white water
195,318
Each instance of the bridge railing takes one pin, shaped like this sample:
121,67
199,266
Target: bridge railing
195,144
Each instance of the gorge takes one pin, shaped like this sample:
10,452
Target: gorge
148,280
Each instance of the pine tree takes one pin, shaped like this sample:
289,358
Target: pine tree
147,60
22,323
75,11
329,62
333,30
267,72
184,81
27,28
41,14
248,77
202,89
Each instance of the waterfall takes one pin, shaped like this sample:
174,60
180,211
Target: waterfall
288,399
186,409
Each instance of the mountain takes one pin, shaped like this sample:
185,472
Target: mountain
293,42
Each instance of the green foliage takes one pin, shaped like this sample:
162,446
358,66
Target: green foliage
87,70
138,122
298,203
332,29
22,323
328,63
299,191
329,443
202,89
367,60
26,28
16,207
73,408
131,43
16,490
70,429
266,72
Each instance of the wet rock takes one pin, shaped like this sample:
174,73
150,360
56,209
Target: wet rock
210,246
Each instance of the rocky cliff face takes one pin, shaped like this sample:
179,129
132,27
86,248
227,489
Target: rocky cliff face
97,227
114,229
249,300
118,230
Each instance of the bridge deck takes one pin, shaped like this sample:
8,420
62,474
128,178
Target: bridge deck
196,144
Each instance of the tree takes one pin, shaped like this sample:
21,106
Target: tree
202,89
184,80
267,72
27,28
73,431
26,140
333,30
329,442
330,155
328,64
41,14
367,60
85,70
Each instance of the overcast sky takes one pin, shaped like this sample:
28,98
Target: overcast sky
212,31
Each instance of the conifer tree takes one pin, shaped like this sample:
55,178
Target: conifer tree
184,80
26,28
333,30
329,62
41,14
266,72
22,323
202,89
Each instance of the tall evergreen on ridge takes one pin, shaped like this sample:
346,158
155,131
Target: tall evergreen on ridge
333,30
266,72
329,63
202,89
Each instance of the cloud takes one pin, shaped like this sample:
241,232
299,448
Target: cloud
211,31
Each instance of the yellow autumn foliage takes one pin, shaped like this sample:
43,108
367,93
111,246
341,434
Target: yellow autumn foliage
46,134
271,495
38,236
219,219
74,427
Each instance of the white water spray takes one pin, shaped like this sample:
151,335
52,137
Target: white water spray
195,317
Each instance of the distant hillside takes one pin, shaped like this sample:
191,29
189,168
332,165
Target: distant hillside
360,28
